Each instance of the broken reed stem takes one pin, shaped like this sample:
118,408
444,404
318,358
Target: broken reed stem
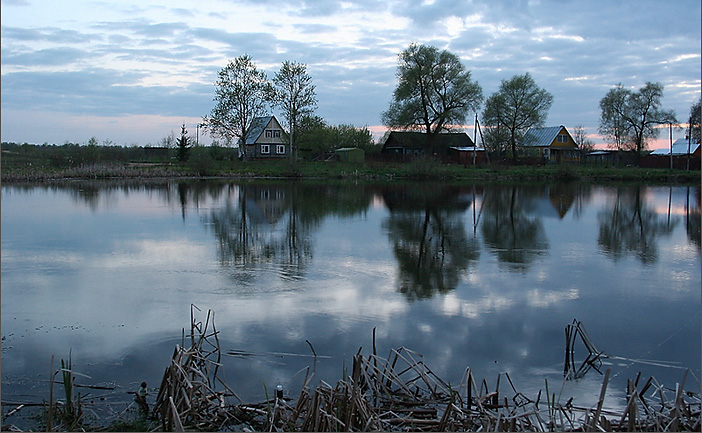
399,392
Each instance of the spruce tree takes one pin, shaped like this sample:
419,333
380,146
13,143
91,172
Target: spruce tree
183,145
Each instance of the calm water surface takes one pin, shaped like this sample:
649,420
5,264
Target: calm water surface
479,276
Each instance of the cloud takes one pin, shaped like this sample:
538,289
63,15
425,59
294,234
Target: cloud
159,57
46,57
102,92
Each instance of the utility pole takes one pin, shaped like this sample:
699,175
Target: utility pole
670,127
689,138
475,137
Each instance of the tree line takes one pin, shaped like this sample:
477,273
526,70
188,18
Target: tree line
243,93
435,94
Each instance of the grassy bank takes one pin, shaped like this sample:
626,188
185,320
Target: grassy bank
27,162
16,170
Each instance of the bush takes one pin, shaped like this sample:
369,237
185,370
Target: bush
201,161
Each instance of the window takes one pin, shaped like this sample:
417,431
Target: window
280,149
272,133
265,149
562,138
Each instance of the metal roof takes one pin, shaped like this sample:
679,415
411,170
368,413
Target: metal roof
679,148
467,148
419,139
541,137
258,125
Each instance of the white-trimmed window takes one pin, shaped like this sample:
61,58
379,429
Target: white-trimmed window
272,133
280,149
562,138
265,149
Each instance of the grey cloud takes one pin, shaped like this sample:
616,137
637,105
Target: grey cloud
15,2
47,57
316,28
183,12
323,8
48,34
101,92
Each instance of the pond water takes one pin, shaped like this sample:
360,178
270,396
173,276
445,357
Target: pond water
480,276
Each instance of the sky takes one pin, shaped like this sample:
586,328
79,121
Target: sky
131,72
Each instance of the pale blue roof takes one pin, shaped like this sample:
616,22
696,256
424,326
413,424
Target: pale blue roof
541,137
679,148
258,125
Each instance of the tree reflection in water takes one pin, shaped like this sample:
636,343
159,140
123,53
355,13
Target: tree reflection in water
512,227
274,223
630,226
428,237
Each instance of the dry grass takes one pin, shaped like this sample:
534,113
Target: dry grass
400,393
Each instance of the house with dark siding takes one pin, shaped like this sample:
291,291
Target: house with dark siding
265,140
406,145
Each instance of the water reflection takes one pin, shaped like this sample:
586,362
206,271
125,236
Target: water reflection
428,237
512,226
629,225
274,223
283,262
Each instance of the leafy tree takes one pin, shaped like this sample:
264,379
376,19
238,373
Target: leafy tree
242,93
695,118
612,126
351,136
629,118
316,136
496,141
518,105
434,91
184,145
295,94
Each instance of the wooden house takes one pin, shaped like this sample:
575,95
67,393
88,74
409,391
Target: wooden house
406,145
553,144
265,140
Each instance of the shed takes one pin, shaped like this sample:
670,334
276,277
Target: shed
350,154
464,155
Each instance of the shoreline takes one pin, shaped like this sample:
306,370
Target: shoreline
358,172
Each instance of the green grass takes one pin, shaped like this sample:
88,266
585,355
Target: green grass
19,166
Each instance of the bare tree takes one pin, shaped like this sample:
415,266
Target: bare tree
168,141
695,119
585,145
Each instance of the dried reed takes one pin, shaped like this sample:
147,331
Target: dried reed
401,393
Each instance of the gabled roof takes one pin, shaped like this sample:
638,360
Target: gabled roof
258,125
419,139
541,137
679,148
